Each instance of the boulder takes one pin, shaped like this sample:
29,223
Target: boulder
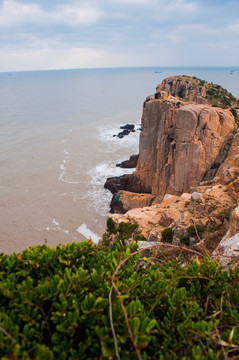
227,252
116,183
127,127
124,201
131,163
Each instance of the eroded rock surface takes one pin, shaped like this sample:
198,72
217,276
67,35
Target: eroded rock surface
183,88
179,146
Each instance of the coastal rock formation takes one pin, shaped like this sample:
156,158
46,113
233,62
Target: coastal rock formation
187,173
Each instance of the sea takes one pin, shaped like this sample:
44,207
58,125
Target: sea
57,146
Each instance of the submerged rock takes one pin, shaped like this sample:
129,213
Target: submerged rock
127,129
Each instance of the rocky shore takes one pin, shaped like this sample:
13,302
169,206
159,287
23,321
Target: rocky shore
187,170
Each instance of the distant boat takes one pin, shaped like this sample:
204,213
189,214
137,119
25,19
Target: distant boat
233,71
158,72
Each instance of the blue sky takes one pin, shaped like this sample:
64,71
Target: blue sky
61,34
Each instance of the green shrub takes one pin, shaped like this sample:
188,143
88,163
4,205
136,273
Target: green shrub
192,232
167,235
140,237
185,240
111,228
54,304
234,113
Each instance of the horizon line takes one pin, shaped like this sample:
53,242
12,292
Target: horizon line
127,67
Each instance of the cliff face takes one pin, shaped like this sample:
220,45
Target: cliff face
179,146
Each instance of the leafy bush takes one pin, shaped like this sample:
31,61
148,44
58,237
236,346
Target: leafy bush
111,228
167,235
141,237
234,113
192,232
54,304
185,240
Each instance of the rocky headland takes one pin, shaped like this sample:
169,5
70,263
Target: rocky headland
187,172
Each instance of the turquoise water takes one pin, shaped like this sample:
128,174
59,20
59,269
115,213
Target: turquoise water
57,146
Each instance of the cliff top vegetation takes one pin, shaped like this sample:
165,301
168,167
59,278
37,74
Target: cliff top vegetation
215,94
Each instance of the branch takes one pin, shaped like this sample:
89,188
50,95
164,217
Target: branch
112,324
7,334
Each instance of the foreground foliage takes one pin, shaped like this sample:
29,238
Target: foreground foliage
54,304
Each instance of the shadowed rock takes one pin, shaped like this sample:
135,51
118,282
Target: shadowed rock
131,163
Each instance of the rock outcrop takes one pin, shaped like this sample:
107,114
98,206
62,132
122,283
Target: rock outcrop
184,87
124,201
187,172
131,163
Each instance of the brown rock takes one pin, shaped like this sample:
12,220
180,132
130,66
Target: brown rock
124,201
131,163
183,88
228,170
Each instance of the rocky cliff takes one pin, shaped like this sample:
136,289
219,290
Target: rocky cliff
189,144
179,146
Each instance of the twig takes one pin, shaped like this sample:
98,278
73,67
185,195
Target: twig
206,305
200,245
7,334
221,343
46,320
112,324
69,286
126,320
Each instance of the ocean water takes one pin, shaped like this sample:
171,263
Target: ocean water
57,147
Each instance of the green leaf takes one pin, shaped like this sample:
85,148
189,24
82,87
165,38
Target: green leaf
151,325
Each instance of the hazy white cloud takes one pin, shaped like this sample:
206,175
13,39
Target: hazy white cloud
181,6
49,57
97,33
13,13
234,28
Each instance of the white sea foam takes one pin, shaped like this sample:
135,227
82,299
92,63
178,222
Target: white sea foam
98,197
102,171
106,135
63,177
83,230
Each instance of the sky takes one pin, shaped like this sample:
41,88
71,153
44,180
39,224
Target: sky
66,34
